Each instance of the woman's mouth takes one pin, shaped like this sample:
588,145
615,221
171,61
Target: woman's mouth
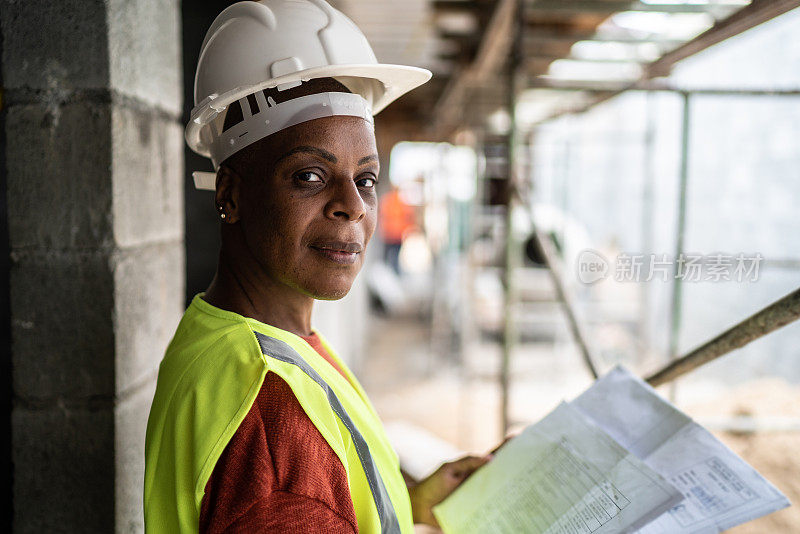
338,251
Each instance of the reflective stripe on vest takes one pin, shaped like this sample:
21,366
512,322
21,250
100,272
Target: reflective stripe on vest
279,350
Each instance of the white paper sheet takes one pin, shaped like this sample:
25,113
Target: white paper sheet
720,489
561,475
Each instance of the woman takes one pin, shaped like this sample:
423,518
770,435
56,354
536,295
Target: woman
256,424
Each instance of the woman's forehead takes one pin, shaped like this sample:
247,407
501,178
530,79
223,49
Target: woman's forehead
349,139
342,136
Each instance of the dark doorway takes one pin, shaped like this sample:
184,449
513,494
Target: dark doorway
202,228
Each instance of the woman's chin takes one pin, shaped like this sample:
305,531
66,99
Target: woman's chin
330,291
332,294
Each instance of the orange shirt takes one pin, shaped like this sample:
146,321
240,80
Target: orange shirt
278,474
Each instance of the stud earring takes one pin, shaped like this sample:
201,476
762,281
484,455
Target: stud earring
221,213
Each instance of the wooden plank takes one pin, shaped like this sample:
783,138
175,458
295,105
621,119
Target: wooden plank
493,49
758,12
583,7
534,36
542,58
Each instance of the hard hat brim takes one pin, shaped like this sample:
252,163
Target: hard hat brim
397,80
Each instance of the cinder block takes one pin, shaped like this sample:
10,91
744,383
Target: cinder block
148,179
145,54
63,469
131,423
54,46
59,184
149,298
62,327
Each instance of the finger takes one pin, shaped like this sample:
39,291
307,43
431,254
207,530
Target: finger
498,447
463,467
508,438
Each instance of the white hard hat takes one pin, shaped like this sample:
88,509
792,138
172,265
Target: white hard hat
280,44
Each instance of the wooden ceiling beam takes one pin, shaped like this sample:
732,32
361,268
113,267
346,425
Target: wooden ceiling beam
534,36
494,48
585,7
466,40
541,58
457,5
758,12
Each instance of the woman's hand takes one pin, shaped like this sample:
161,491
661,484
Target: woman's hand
435,488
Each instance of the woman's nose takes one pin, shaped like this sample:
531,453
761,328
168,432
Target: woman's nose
346,201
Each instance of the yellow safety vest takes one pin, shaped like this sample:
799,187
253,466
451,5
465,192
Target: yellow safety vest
207,382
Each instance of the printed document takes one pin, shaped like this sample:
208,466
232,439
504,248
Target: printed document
619,458
561,475
720,490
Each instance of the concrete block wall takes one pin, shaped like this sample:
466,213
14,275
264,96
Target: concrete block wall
92,163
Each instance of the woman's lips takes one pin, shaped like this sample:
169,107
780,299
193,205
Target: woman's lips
338,251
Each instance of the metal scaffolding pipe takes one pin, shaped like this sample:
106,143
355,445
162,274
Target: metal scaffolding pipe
511,246
771,318
575,327
676,300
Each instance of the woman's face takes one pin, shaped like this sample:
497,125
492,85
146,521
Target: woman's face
308,208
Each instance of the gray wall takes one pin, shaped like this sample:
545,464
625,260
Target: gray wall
93,168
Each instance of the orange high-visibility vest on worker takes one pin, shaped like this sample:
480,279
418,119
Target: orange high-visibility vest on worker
397,217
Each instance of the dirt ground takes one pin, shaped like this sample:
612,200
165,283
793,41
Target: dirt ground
774,454
460,404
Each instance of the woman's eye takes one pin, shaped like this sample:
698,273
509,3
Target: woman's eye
308,176
368,182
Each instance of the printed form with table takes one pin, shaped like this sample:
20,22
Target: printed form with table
619,458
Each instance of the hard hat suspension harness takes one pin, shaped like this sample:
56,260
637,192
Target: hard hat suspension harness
271,117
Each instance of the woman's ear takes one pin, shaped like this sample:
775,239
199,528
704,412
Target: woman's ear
228,192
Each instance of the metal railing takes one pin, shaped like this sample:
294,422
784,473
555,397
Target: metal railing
771,318
575,326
